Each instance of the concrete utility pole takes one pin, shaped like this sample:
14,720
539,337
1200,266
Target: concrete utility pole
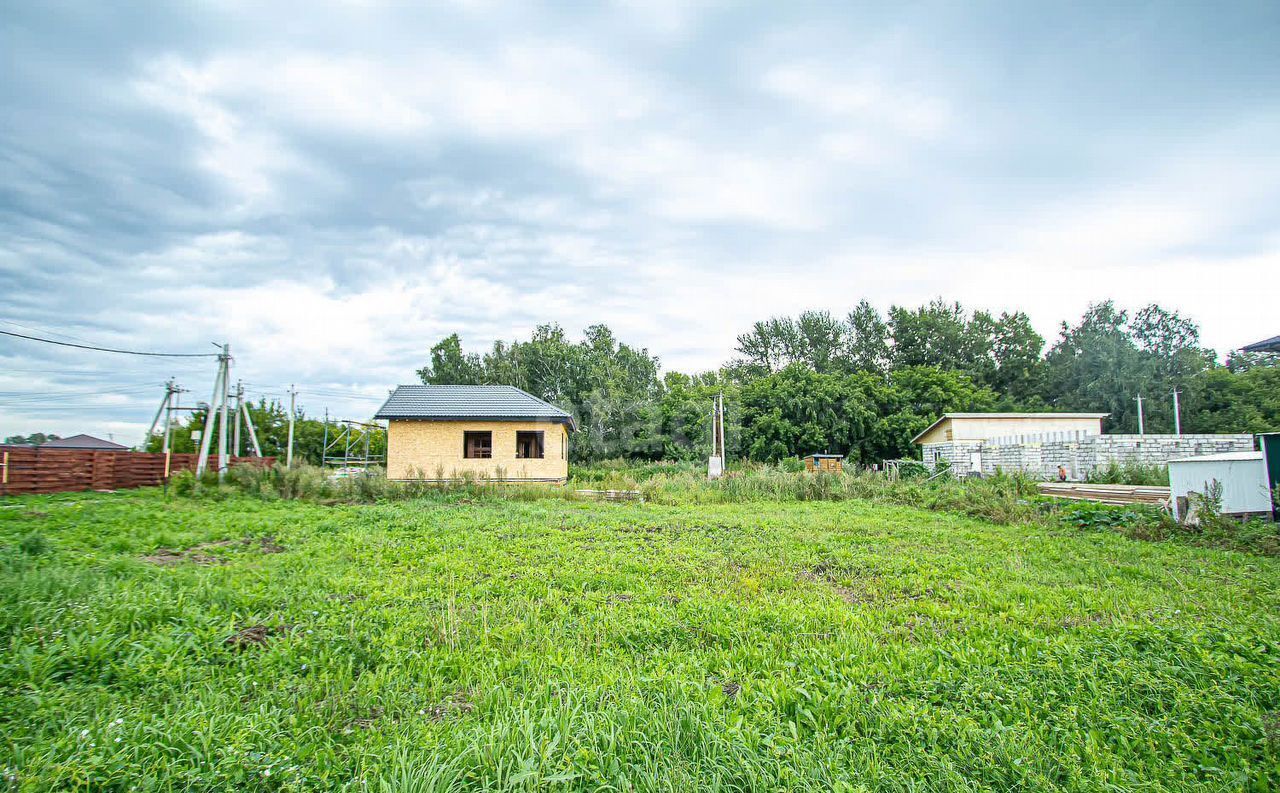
1177,414
248,425
1141,430
715,465
219,393
223,463
324,448
235,433
293,394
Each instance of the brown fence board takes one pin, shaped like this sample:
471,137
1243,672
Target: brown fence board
36,470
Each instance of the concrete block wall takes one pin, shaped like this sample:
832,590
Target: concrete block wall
1082,455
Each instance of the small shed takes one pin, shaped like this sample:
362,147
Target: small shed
830,463
1241,475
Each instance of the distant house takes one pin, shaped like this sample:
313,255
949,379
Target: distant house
449,432
959,439
1266,345
85,443
1042,444
985,426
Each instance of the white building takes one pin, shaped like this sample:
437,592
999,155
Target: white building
1038,443
1239,477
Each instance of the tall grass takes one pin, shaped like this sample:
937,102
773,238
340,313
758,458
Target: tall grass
1115,473
501,645
1002,499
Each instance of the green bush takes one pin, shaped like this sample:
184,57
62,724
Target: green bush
1130,474
34,544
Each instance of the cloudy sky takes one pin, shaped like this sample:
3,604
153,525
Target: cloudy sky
332,189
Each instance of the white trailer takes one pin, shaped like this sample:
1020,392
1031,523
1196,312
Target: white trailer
1241,475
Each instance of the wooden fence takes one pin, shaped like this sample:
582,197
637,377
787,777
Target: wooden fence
24,469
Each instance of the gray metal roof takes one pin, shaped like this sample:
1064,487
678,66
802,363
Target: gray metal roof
1266,345
473,402
83,441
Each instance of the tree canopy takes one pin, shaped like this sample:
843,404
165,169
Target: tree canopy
865,384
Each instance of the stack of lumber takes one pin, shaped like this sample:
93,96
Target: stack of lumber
610,495
1106,494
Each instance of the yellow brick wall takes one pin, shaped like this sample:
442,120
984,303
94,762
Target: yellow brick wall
425,448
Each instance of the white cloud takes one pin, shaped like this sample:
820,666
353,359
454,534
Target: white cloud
381,179
859,98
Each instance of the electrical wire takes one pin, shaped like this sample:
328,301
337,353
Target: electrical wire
109,349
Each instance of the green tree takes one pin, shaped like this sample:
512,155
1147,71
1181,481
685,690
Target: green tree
1096,366
34,439
450,365
868,340
1017,350
942,334
1219,400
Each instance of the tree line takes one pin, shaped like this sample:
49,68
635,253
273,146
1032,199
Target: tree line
865,384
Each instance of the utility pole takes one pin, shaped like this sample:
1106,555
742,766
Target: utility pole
248,425
1177,414
174,391
724,457
1141,431
162,410
219,392
293,395
222,423
235,433
324,448
715,465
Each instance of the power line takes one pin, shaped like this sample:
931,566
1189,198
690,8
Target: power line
109,349
45,331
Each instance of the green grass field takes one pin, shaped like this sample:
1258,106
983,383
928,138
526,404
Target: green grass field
454,644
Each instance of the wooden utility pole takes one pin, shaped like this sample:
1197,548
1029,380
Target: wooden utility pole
293,394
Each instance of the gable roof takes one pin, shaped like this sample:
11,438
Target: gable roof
1266,345
947,416
83,441
469,402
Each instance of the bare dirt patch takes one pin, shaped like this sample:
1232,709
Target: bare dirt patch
827,575
366,722
349,597
255,636
458,703
167,557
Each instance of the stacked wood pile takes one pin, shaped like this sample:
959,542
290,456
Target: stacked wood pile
25,469
1106,494
610,495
